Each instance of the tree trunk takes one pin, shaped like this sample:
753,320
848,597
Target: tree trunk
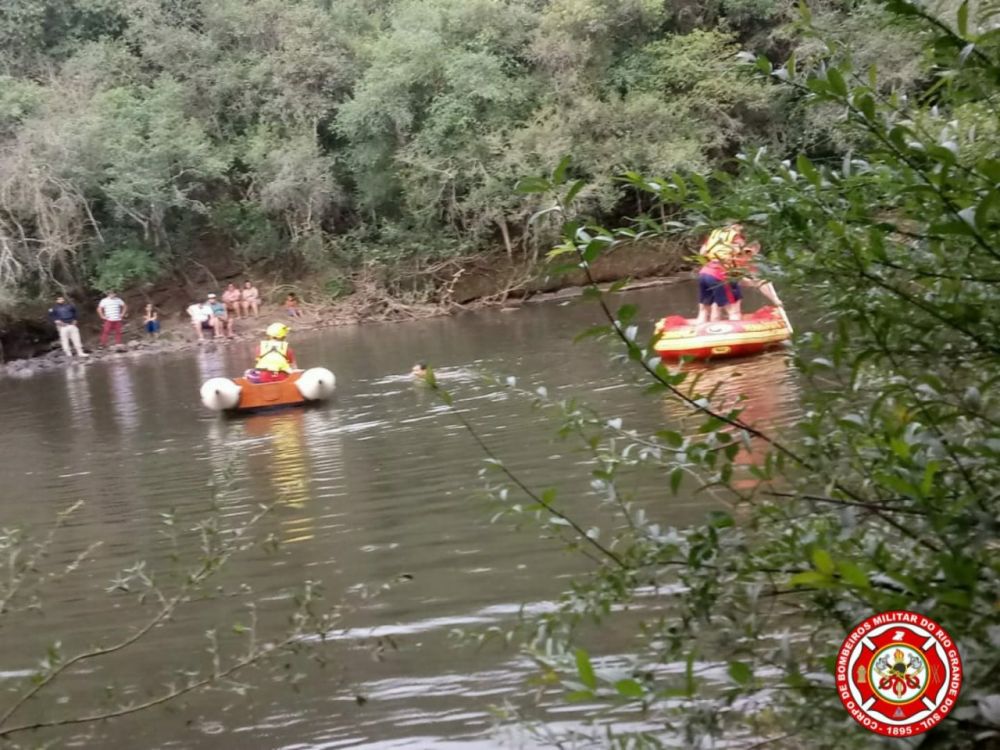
505,232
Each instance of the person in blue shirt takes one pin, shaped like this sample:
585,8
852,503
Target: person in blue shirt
221,316
63,316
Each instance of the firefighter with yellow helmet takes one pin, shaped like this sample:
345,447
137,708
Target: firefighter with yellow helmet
275,358
724,249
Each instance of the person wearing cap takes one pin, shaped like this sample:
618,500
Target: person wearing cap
275,358
222,321
63,315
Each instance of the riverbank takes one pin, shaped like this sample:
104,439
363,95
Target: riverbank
458,285
179,336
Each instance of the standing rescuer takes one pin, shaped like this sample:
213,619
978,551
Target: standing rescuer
716,291
275,358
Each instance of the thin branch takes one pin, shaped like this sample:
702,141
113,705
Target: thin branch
520,484
159,700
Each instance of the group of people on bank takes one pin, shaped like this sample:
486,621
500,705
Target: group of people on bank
217,316
213,315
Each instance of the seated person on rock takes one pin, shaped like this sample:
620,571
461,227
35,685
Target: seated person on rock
275,359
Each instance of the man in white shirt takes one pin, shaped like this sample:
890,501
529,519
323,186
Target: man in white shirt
203,319
112,310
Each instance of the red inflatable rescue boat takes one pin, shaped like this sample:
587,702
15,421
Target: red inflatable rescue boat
755,332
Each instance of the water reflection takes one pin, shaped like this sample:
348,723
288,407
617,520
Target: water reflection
123,395
286,464
78,395
764,388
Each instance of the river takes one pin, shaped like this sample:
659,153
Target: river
379,485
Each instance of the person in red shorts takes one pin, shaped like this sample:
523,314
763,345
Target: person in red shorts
723,249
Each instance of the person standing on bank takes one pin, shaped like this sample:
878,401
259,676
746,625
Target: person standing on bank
112,310
63,315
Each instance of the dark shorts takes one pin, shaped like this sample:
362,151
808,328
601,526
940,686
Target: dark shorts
152,326
711,291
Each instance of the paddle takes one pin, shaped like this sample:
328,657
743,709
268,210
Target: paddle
768,290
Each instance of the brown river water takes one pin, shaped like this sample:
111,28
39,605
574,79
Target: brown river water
378,483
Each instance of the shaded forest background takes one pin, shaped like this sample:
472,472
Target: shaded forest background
139,136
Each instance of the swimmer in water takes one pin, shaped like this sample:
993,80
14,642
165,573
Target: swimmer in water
419,370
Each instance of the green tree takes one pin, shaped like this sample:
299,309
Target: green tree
881,498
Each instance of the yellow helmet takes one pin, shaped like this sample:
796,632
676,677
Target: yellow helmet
277,330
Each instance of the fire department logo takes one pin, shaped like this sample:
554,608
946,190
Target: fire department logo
898,673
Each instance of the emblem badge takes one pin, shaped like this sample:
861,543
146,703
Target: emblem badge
898,673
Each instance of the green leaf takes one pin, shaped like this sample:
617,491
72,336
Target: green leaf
718,519
990,168
836,81
927,483
559,174
866,104
574,190
533,185
956,227
822,561
630,688
807,170
805,13
626,313
560,250
853,575
897,484
676,476
619,285
740,672
690,683
585,670
963,19
900,447
593,250
808,578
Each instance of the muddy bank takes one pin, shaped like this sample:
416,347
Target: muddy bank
32,344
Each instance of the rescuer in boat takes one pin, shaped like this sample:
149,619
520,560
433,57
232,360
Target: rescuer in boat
275,358
722,249
730,262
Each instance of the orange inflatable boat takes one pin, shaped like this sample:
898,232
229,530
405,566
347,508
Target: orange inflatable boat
240,395
757,331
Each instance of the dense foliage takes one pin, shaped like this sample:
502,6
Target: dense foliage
884,494
136,135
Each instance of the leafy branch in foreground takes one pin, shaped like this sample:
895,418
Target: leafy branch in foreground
243,633
883,494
